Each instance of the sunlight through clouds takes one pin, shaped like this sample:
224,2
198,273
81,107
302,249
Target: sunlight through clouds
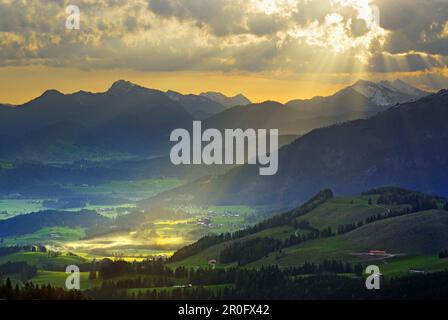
277,38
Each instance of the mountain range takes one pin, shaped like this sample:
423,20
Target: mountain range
361,100
131,119
127,118
402,146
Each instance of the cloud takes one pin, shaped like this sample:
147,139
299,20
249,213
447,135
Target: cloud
313,36
406,62
415,25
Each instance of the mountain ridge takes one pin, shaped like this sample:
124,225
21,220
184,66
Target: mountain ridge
348,158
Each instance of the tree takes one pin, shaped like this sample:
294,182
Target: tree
92,274
370,201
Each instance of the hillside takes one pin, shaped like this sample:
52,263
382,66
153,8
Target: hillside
29,223
332,229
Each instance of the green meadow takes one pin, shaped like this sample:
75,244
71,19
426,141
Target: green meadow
47,236
43,259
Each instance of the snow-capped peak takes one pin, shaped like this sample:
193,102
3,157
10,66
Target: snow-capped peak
387,93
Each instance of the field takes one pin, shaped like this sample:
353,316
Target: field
42,259
400,266
47,236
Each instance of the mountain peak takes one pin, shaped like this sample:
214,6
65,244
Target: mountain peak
362,83
121,86
226,101
388,93
52,93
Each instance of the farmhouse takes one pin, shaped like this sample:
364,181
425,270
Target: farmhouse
377,253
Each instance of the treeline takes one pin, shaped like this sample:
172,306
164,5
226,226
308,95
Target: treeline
321,282
417,200
334,287
443,254
22,269
5,251
196,279
108,269
34,292
245,252
29,223
249,251
327,266
139,282
346,228
288,218
159,275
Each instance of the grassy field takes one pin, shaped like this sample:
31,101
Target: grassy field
51,236
42,259
400,266
312,251
343,211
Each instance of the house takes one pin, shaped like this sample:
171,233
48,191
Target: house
414,270
377,253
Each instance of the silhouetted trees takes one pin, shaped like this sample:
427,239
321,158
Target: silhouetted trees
249,251
397,196
443,254
29,291
22,269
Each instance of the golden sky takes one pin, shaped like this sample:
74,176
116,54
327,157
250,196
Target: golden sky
256,87
266,49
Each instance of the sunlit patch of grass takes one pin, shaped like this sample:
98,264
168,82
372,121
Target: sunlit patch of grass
169,241
7,165
173,222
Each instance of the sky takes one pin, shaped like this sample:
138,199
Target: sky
266,49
